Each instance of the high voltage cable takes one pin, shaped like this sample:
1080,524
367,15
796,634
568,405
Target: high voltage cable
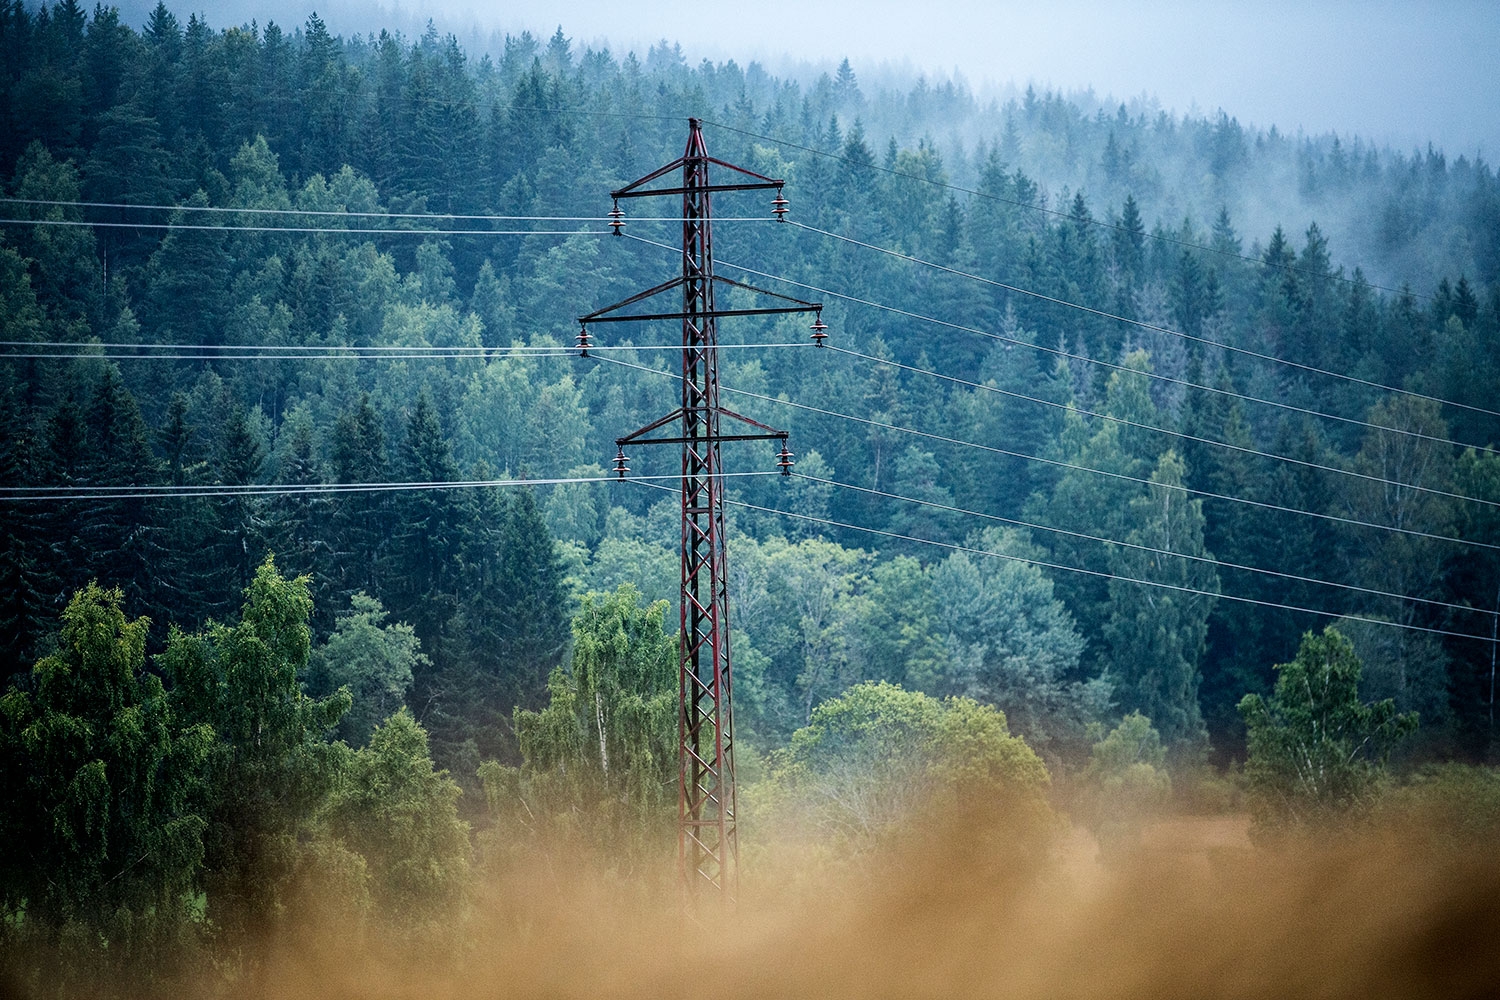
908,257
1210,560
1101,472
1311,369
1042,564
1131,423
28,494
1164,430
81,355
304,230
250,352
392,348
1112,366
84,351
1355,522
1056,213
345,214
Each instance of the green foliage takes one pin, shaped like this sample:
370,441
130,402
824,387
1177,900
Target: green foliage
1125,782
400,815
1010,643
1317,751
184,114
877,759
103,798
374,661
1133,743
271,768
1155,634
605,746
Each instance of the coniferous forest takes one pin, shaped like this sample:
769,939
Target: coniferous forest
316,595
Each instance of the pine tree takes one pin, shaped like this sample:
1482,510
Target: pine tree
1156,635
361,524
118,535
240,529
421,579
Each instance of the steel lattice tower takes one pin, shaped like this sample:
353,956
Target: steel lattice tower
707,838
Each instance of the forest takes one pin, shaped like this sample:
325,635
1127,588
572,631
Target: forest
316,590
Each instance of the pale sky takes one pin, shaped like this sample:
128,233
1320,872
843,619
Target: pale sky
1403,73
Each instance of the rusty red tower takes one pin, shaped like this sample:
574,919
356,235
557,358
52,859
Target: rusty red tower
707,840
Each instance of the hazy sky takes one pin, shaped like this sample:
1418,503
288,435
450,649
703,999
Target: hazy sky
1404,73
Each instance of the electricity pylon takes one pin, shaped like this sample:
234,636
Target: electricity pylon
707,839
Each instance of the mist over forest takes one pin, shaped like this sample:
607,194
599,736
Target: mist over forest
1147,482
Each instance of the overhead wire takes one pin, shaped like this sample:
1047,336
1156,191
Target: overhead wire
1101,574
1212,442
1151,327
1085,359
1058,463
187,352
346,213
1188,556
37,494
1183,435
294,353
300,230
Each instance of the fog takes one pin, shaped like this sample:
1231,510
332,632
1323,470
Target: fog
1398,73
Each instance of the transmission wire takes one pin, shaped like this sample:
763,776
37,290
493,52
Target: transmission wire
1042,564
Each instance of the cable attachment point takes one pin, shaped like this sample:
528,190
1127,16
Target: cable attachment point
622,464
616,219
784,459
778,206
819,330
584,342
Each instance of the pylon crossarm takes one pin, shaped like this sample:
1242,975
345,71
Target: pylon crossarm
700,189
770,431
630,190
774,436
701,314
602,315
634,188
632,437
769,182
801,306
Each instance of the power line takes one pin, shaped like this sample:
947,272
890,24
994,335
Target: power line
1067,216
1078,468
1110,365
1132,423
305,353
1165,430
1042,564
517,349
1312,369
303,230
27,494
347,214
419,353
1210,560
